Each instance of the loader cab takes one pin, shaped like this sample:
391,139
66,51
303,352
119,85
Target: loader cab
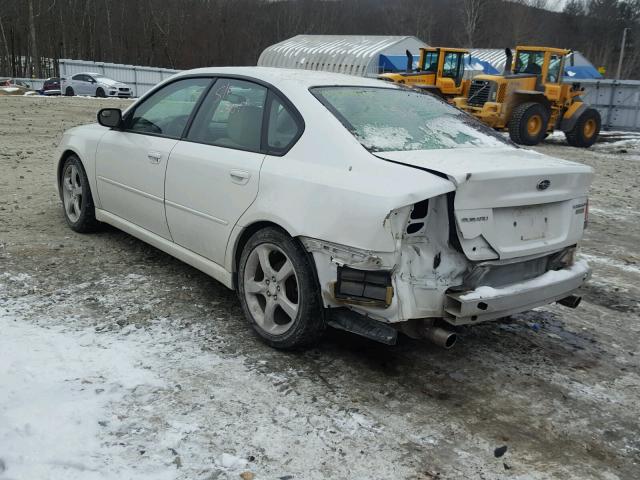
547,64
440,70
444,62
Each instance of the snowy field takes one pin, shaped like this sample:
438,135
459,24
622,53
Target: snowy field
119,362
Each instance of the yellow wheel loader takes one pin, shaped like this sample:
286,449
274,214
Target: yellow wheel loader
530,100
440,70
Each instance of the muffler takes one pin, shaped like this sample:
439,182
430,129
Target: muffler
439,336
508,62
572,301
409,61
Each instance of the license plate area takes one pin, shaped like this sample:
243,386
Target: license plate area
531,223
521,225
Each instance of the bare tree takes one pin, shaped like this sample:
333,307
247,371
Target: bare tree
472,14
35,58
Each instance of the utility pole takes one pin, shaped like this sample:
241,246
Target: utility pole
624,40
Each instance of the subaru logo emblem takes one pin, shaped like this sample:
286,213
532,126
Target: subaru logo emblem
543,184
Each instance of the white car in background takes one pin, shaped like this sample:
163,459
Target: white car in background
94,85
326,199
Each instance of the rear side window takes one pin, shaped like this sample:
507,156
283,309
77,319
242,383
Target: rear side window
283,128
231,115
388,119
166,112
77,77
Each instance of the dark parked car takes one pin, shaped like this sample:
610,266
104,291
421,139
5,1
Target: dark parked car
51,86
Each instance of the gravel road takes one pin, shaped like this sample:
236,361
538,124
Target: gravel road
560,388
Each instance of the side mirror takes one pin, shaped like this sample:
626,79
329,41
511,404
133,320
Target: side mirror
110,117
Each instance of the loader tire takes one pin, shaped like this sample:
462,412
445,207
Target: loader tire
586,130
528,123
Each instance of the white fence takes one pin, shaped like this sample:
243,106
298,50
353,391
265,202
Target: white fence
141,79
35,83
618,102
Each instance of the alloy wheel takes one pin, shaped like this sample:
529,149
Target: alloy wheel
72,192
271,289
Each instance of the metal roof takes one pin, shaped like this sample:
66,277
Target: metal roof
494,56
350,54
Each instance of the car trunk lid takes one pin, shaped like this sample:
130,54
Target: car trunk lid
508,202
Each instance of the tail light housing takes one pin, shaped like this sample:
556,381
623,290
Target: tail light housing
586,214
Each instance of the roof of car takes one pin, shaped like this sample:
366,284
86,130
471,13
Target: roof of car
302,78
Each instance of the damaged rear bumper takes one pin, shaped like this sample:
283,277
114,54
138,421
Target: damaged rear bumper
487,303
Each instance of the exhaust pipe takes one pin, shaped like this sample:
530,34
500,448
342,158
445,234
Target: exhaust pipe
572,301
439,336
409,61
508,62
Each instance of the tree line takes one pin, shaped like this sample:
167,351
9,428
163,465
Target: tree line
193,33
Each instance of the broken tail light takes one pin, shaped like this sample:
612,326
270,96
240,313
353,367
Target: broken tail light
371,287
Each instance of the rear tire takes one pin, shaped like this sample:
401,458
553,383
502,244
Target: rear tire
69,92
100,92
586,130
79,211
279,292
528,123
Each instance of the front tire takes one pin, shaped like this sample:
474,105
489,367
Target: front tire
100,92
278,291
79,211
528,123
586,130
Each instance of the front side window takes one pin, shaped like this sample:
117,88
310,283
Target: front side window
166,112
231,115
453,66
430,62
529,62
388,119
554,69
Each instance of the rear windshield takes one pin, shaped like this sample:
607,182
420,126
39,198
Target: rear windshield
389,119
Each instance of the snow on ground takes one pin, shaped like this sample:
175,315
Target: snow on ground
57,388
74,397
86,401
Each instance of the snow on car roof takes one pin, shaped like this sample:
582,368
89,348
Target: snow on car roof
299,77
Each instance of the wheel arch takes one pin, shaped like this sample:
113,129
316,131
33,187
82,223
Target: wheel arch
248,232
242,239
572,115
527,96
63,158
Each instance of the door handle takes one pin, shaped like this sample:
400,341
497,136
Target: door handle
239,176
154,157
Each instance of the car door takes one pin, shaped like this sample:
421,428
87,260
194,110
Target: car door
77,84
90,85
131,162
86,85
213,173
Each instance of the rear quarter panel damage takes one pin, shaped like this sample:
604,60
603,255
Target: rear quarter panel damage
423,265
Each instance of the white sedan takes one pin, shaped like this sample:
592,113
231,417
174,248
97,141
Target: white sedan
94,85
326,199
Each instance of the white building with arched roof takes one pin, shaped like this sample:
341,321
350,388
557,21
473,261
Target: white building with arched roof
361,55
